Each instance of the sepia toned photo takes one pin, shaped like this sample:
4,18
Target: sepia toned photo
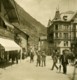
38,39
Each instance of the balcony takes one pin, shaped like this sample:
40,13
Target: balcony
62,38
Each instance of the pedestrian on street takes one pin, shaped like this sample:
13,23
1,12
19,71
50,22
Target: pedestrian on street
31,56
64,62
43,58
59,67
55,58
17,56
38,58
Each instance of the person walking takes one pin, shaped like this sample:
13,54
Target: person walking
64,62
31,56
55,58
43,58
38,58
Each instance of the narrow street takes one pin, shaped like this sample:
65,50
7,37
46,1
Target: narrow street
28,71
75,73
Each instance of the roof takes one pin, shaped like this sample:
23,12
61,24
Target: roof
17,26
9,45
66,16
69,15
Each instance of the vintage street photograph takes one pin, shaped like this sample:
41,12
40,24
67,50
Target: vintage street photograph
38,39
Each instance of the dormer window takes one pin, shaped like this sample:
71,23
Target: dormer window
65,18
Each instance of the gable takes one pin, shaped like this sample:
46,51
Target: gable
10,10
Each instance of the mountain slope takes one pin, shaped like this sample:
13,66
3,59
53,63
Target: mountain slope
30,25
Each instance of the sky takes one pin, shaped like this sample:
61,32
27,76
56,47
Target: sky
43,10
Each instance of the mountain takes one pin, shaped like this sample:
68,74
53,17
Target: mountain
30,25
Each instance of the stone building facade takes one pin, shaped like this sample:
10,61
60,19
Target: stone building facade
62,30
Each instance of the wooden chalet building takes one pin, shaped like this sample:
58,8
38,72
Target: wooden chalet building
8,18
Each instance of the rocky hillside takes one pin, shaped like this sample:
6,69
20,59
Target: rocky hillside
30,25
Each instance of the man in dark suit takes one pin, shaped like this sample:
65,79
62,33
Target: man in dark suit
64,62
38,58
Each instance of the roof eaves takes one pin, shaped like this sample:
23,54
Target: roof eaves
20,30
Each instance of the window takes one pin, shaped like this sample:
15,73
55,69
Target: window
56,27
66,27
56,35
65,43
65,35
60,35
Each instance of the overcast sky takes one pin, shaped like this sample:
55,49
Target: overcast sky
43,10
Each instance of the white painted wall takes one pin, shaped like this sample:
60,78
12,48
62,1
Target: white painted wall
62,47
23,42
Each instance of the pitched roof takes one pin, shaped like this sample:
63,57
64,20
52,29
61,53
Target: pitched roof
66,16
17,26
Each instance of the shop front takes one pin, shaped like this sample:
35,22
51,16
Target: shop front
9,50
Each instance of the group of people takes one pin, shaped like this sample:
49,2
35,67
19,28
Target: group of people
41,60
63,60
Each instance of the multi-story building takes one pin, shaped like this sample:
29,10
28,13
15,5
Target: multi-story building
62,30
43,44
8,28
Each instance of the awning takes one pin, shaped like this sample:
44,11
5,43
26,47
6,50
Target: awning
9,45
